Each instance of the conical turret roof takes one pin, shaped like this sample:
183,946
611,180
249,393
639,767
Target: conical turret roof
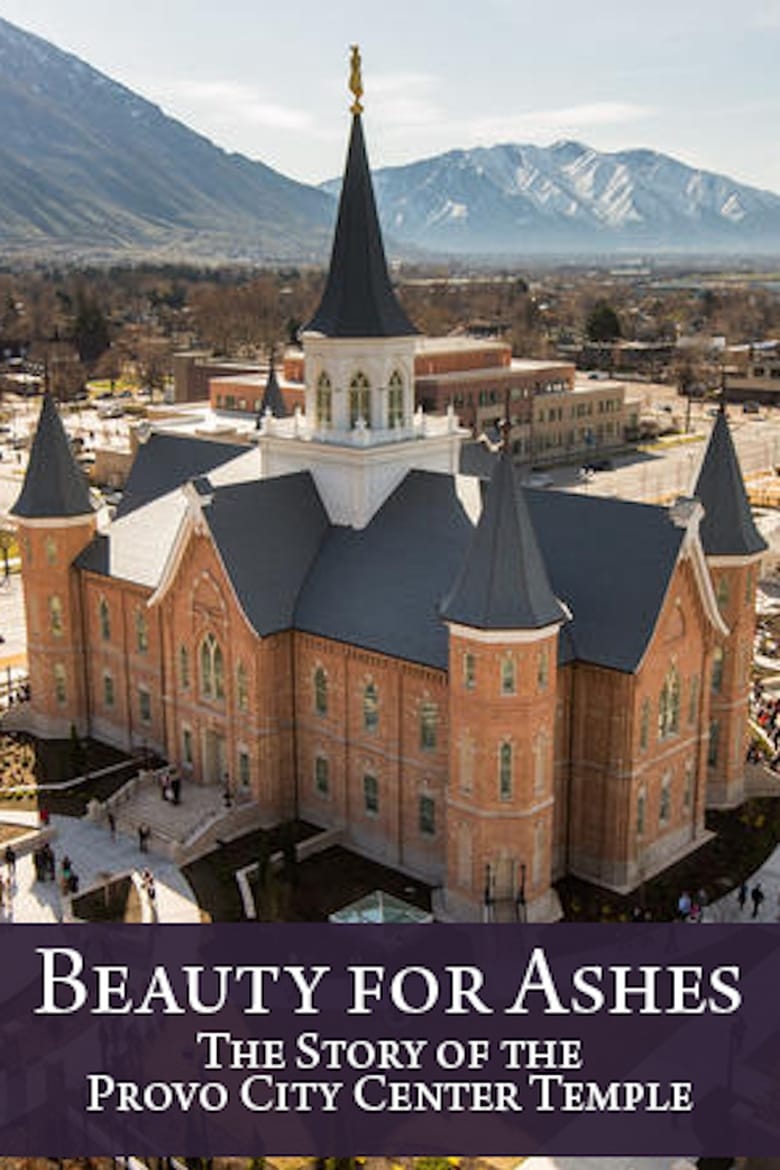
503,584
727,528
359,300
273,398
54,486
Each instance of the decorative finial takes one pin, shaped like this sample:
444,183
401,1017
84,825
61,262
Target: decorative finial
356,80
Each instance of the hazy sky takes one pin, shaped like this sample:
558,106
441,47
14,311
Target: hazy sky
699,79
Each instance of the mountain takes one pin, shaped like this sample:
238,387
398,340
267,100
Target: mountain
520,200
89,170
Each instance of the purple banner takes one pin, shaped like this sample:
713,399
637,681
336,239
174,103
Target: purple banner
341,1040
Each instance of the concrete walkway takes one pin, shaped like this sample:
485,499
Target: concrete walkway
727,909
94,857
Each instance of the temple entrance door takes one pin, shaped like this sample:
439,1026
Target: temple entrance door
214,757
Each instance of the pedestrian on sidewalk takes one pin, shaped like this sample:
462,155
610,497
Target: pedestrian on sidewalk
144,833
757,897
111,825
742,896
10,860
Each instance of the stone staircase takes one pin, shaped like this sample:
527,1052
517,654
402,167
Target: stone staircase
180,832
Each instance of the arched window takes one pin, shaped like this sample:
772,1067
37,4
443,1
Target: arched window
321,775
370,707
242,687
669,705
324,402
359,400
717,669
644,724
212,669
508,678
712,749
665,804
464,857
428,720
505,771
141,632
395,400
55,615
543,670
693,700
466,764
184,668
320,691
469,672
104,620
540,762
60,684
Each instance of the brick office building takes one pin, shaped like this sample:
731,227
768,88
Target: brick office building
484,686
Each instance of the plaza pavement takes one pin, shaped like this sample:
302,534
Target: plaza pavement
94,856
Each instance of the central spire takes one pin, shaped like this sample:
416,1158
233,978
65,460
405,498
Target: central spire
359,300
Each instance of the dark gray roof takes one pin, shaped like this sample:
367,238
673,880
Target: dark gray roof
273,399
477,458
268,533
54,485
380,587
503,583
165,462
359,300
611,562
727,528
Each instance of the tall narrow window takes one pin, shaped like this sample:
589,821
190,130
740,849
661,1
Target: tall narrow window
665,804
428,720
60,684
320,691
427,816
543,670
51,550
186,746
324,403
466,764
244,768
184,668
644,724
469,672
723,592
242,687
540,761
641,802
359,400
55,615
505,771
144,705
370,707
712,749
321,776
693,700
371,794
141,632
749,587
669,705
108,690
508,679
688,785
219,673
104,620
717,669
395,400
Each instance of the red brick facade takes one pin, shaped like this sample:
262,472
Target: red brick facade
490,781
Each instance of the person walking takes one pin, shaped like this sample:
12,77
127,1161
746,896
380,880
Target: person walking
742,896
112,825
10,860
757,897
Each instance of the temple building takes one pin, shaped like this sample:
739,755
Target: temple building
482,685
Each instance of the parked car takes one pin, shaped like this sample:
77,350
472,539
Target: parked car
750,408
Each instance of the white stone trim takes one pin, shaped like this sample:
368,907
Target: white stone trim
496,637
735,562
54,522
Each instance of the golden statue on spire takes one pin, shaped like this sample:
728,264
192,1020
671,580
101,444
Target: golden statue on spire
356,80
